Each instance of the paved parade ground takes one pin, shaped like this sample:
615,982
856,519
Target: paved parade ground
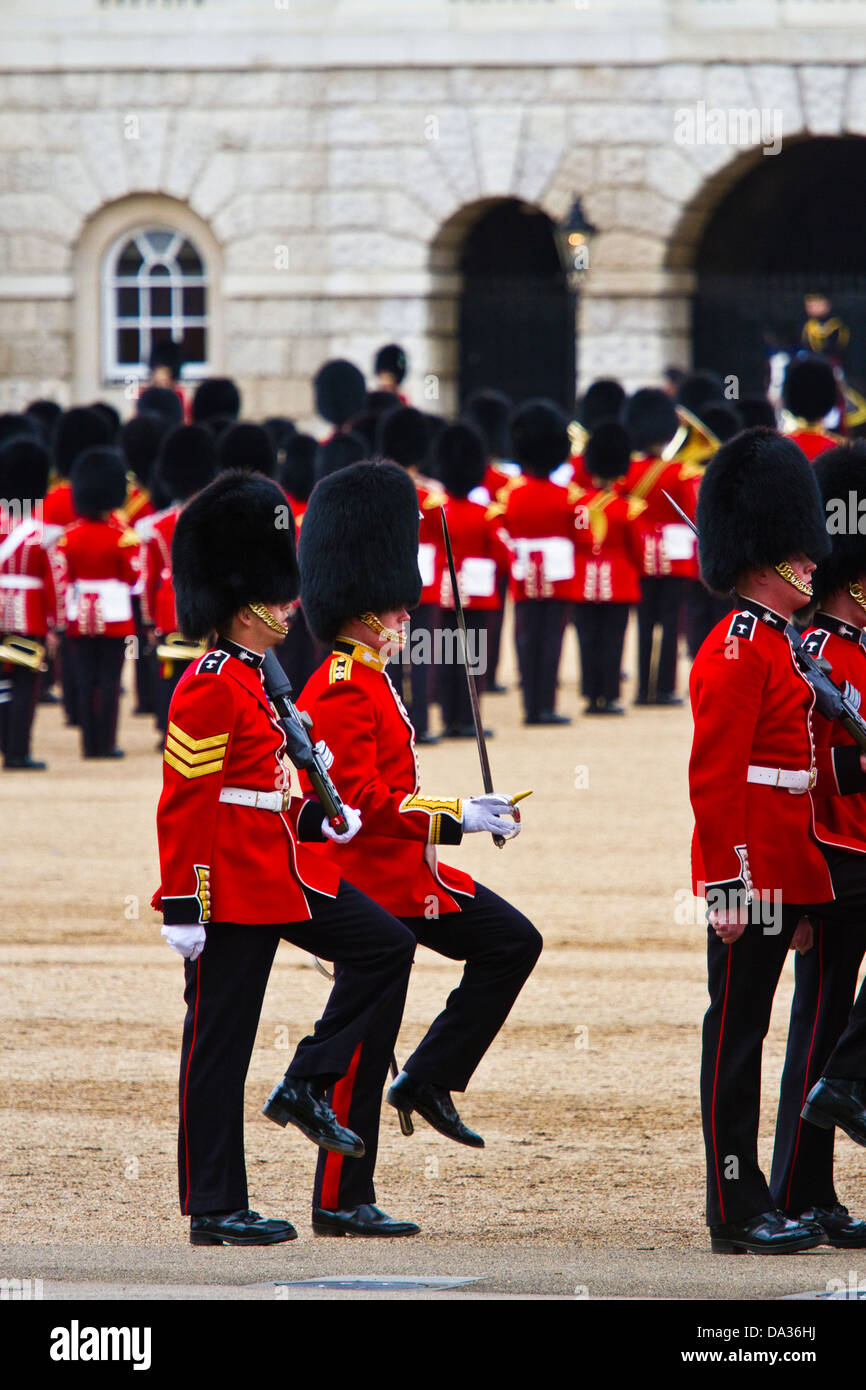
591,1184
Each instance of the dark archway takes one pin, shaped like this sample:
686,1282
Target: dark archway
517,313
794,222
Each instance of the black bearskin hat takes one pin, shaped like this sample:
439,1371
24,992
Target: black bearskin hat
248,447
604,400
340,391
460,459
809,391
234,544
700,389
111,418
841,473
403,435
98,480
186,462
723,419
359,547
161,400
539,433
391,359
218,395
758,504
608,450
380,401
14,426
488,411
167,353
46,414
757,410
140,439
651,419
25,464
340,452
298,471
76,430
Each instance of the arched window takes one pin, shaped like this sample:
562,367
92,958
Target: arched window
154,287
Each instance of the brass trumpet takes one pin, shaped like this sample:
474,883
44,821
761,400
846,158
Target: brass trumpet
693,442
176,647
23,651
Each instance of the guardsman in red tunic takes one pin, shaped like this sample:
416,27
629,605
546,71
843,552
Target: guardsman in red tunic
358,581
609,553
28,599
185,464
826,974
809,395
403,436
539,522
758,855
236,877
101,565
481,558
669,545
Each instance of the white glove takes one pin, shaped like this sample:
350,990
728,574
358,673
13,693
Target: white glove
187,941
353,821
492,812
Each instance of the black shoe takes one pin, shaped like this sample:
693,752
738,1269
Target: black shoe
770,1233
27,764
547,716
838,1102
668,698
496,689
110,753
613,708
840,1229
426,737
294,1102
434,1104
365,1220
464,731
48,697
239,1228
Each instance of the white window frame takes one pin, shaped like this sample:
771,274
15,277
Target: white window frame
114,371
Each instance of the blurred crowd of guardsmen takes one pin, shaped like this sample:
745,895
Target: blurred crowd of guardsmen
567,517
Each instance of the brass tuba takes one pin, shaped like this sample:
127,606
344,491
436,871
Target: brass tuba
22,651
693,442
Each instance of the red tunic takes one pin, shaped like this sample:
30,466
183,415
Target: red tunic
157,597
100,562
753,706
539,520
844,647
608,541
498,477
57,509
670,546
28,598
481,557
814,440
431,546
392,859
222,862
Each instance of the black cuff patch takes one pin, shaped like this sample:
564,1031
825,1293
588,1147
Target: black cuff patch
448,831
726,897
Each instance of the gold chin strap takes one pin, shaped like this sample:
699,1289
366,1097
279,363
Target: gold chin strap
372,622
857,593
784,569
268,618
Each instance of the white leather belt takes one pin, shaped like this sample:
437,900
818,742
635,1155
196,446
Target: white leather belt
788,779
261,801
20,581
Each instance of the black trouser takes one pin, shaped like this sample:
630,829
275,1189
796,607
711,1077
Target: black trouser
826,978
424,620
497,617
539,625
659,607
703,611
67,681
742,980
454,700
145,665
165,686
601,634
224,991
96,664
16,714
500,947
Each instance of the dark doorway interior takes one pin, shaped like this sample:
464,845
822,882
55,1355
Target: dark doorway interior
517,314
795,222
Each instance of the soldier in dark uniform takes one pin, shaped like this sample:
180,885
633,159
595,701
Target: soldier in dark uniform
758,856
237,877
363,515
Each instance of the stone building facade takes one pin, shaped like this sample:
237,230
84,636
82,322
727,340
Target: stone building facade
327,159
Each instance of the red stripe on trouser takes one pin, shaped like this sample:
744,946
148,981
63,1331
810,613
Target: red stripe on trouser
716,1083
334,1162
186,1080
806,1086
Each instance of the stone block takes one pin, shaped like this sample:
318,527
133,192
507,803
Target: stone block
518,86
103,154
143,147
541,149
368,250
348,209
496,136
612,123
627,250
824,92
216,185
249,357
31,254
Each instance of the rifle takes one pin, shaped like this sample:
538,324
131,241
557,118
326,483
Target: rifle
839,702
305,755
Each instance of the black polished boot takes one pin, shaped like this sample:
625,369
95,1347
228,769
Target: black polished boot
295,1101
